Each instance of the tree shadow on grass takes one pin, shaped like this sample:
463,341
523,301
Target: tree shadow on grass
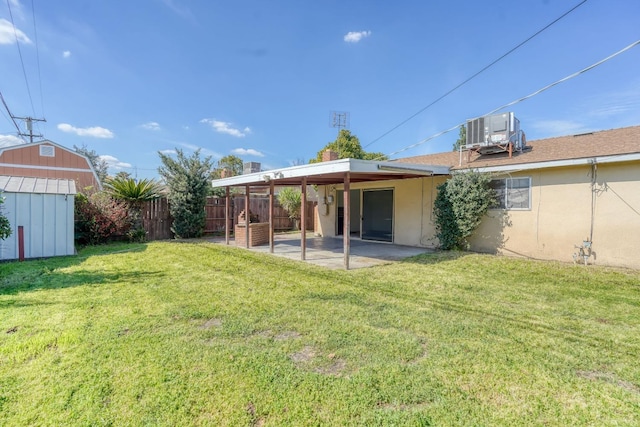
437,257
44,279
48,273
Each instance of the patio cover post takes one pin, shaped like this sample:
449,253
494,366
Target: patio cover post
271,222
303,219
346,232
247,216
227,208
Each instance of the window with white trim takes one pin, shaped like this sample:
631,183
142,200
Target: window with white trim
512,193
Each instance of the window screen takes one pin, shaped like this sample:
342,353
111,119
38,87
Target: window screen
512,193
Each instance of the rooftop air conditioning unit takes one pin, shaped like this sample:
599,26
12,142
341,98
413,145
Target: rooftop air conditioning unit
251,167
494,131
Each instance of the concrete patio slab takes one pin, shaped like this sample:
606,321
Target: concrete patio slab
328,251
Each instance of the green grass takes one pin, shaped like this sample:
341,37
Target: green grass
193,333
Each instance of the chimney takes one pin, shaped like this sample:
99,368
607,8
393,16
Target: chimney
329,155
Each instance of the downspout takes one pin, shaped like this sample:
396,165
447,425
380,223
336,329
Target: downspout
594,177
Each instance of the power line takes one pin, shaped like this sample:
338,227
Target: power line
24,71
476,74
10,115
35,34
537,92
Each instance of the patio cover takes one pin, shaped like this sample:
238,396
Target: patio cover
343,171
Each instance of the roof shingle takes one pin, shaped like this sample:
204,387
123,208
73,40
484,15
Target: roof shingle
583,146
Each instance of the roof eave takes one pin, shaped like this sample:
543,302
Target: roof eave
392,170
618,158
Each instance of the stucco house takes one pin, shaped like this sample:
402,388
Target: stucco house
561,193
556,194
46,159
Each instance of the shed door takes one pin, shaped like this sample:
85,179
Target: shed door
377,215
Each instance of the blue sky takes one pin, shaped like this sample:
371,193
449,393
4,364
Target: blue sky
259,79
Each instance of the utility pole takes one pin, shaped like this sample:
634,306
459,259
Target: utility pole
29,121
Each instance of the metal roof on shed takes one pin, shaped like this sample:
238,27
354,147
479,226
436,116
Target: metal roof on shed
20,184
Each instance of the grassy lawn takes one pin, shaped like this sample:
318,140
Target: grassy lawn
193,333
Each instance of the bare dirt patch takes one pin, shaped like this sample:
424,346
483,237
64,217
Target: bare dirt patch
609,378
287,335
327,365
255,420
303,356
335,368
211,323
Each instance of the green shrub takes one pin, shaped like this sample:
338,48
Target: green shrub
459,207
187,179
5,227
99,218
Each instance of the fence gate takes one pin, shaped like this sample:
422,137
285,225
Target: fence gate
157,220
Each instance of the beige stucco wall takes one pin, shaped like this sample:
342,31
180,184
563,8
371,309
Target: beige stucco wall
561,216
412,211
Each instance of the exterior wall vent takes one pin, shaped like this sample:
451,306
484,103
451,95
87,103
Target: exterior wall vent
47,151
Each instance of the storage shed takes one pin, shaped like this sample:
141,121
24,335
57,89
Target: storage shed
44,210
46,159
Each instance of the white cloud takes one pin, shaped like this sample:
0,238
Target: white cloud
247,152
356,36
226,127
558,127
95,132
66,54
204,151
113,162
617,103
9,33
151,126
10,140
169,151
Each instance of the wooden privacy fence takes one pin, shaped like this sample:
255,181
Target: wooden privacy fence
258,206
157,220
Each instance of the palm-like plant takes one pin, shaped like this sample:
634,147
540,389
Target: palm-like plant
134,194
291,200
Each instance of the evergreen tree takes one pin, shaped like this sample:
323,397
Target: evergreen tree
462,138
98,164
188,181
